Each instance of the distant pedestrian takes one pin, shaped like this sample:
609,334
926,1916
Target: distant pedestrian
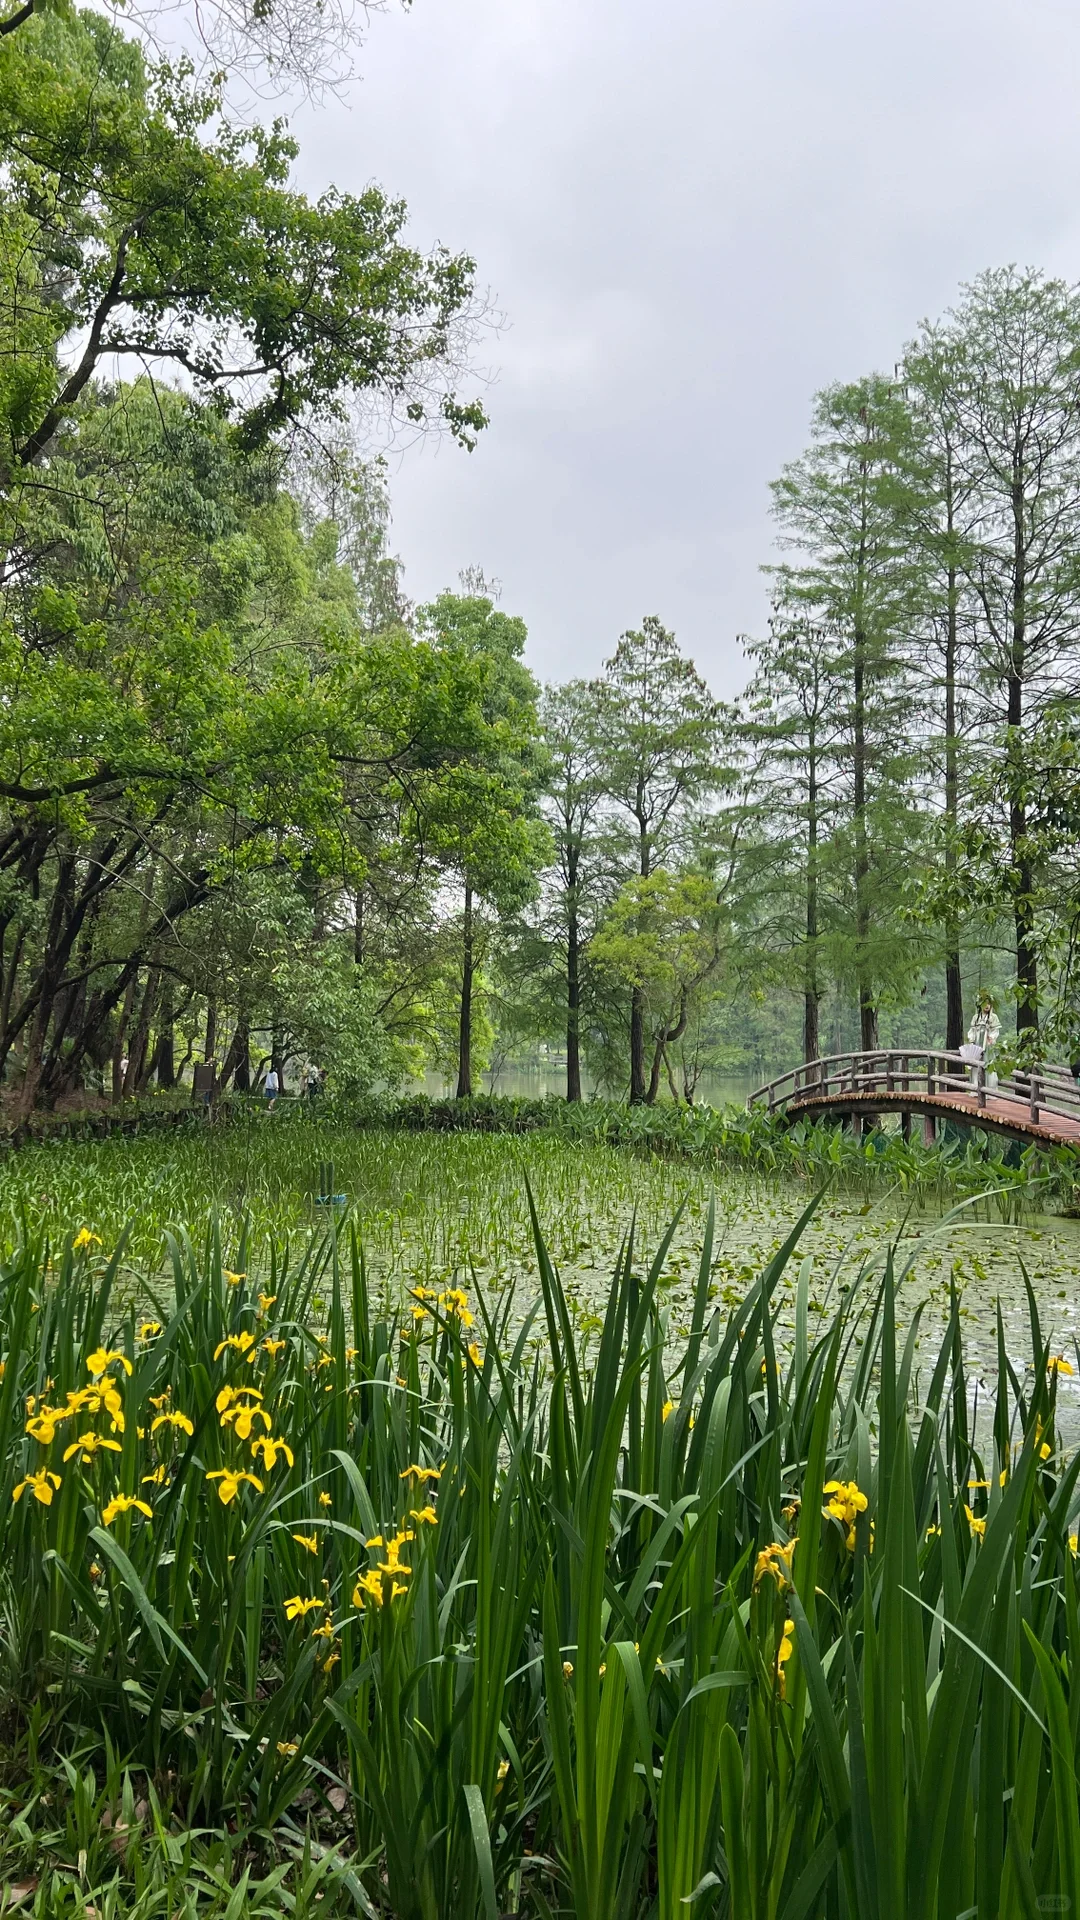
271,1088
983,1035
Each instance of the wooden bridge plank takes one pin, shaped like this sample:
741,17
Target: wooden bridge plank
1000,1115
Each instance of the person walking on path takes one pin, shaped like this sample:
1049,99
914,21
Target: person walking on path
271,1088
983,1035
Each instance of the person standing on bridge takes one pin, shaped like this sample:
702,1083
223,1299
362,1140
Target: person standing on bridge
985,1032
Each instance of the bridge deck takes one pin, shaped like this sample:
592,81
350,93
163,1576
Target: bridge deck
1040,1104
999,1115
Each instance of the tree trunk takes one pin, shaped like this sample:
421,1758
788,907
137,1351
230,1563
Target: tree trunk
119,1038
811,990
573,989
54,960
11,972
236,1065
137,1076
1027,981
464,1082
242,1049
868,1028
164,1062
358,930
210,1043
638,1093
637,1046
667,1037
954,986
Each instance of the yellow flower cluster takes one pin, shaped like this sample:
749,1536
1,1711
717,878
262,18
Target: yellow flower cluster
43,1420
240,1410
454,1304
845,1502
102,1396
388,1579
774,1562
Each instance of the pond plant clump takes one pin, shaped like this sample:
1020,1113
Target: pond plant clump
307,1605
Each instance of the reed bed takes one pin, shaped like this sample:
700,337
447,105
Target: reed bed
310,1607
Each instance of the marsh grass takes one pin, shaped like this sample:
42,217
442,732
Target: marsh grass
526,1620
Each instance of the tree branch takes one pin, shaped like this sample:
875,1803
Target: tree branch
33,448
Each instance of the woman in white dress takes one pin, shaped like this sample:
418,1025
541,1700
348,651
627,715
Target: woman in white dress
984,1034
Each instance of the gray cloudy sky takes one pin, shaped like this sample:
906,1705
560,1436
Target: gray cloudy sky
693,213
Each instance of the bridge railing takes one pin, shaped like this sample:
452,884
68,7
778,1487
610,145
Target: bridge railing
923,1071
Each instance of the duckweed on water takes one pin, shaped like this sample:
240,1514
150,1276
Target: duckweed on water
431,1207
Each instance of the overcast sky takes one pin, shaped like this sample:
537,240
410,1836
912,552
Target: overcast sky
693,214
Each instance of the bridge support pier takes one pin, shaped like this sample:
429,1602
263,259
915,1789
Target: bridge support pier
929,1129
905,1125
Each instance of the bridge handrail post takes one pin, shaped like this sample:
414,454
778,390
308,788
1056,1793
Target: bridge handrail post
1033,1102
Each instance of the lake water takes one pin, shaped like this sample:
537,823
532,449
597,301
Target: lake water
535,1083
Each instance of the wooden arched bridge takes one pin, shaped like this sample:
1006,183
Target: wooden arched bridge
1041,1105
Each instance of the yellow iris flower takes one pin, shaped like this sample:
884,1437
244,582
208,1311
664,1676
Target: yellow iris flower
241,1343
845,1502
124,1503
90,1443
784,1653
269,1448
44,1424
41,1484
100,1362
178,1420
297,1607
231,1482
774,1560
243,1420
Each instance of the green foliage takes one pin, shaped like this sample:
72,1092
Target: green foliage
571,1622
156,229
